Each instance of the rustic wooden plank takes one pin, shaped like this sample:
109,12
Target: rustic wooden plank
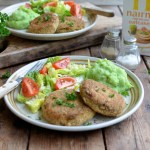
10,2
115,9
147,61
120,136
18,47
47,139
95,51
13,131
83,52
121,9
1,7
134,132
96,2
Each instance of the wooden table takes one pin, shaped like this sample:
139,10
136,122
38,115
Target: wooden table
131,134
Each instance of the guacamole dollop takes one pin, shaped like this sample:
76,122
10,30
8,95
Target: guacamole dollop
20,19
108,73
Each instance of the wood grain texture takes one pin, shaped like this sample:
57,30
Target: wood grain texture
27,50
96,2
13,131
95,51
133,133
147,61
52,140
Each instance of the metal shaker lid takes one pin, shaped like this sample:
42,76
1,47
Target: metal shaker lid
113,33
129,40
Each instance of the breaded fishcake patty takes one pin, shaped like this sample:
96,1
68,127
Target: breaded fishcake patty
68,24
44,24
65,107
101,98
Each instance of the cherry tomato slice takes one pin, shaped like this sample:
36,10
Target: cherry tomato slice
44,70
70,3
76,10
53,4
29,87
144,29
61,64
64,82
27,5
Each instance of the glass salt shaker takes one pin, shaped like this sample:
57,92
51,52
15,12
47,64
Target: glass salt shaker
129,55
111,45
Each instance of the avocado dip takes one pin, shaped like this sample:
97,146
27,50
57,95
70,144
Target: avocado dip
20,19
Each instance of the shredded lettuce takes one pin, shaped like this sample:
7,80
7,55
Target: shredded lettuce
37,6
32,75
52,73
61,9
74,70
53,59
21,98
34,105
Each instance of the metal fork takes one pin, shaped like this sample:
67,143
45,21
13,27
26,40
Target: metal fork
12,84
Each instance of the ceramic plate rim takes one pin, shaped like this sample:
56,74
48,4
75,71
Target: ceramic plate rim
80,128
43,36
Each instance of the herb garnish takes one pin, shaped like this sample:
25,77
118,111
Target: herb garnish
72,96
62,18
3,30
47,18
97,90
59,102
63,103
88,124
111,95
125,93
103,90
71,24
6,75
149,71
40,19
71,105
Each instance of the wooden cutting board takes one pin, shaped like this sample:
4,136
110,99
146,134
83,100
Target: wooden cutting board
20,50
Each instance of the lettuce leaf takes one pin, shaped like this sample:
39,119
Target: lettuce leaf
61,9
21,98
34,105
74,70
53,59
37,6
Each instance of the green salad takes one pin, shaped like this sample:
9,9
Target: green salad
21,18
59,73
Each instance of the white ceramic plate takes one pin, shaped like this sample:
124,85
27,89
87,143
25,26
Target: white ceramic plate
90,21
133,103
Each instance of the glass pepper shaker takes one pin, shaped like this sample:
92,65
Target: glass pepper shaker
111,45
129,55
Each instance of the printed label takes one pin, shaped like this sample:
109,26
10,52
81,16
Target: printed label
136,21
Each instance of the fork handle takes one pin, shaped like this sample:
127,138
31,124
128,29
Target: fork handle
6,88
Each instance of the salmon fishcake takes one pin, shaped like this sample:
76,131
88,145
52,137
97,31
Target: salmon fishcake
68,24
66,107
101,98
45,24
